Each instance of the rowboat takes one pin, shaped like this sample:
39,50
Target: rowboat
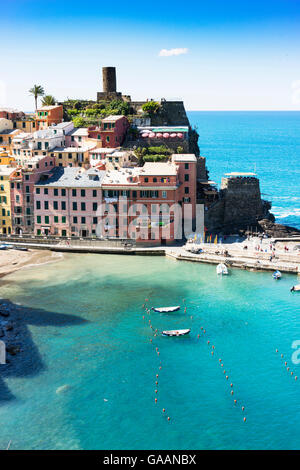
166,309
222,269
276,275
175,332
295,288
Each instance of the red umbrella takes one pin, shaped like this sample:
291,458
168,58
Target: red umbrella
173,134
166,135
159,135
180,135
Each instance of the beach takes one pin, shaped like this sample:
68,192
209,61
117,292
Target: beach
11,260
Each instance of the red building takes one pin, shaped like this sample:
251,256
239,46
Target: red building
48,115
112,131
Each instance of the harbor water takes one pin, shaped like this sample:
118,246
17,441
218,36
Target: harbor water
85,378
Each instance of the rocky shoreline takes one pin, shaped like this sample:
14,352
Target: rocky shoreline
10,330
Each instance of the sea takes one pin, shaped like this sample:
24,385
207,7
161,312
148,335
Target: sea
264,142
94,371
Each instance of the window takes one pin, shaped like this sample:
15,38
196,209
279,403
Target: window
83,220
28,210
38,219
63,205
154,180
38,190
12,185
164,194
83,206
74,192
46,219
45,190
55,219
186,166
74,206
95,220
46,205
186,177
38,232
146,180
95,206
94,193
63,192
38,204
82,192
63,233
26,177
55,205
56,192
63,219
186,190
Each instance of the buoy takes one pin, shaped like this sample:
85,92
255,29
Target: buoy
276,350
156,375
224,371
143,317
212,353
296,377
243,408
168,418
150,340
155,391
213,347
292,373
281,355
198,336
222,365
231,392
201,327
163,410
203,331
287,368
158,353
231,385
207,342
155,400
156,383
244,420
220,360
285,363
159,367
185,310
156,349
235,401
226,377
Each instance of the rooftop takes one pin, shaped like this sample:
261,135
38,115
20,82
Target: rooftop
72,149
184,157
158,169
48,108
6,170
113,118
237,173
69,177
80,131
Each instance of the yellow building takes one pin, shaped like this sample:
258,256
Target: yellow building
5,158
71,156
5,205
25,125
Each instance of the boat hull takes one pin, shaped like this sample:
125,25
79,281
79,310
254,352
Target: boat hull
176,332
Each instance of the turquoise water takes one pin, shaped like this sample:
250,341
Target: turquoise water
84,331
265,142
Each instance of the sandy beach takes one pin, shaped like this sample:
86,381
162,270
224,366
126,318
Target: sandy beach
11,260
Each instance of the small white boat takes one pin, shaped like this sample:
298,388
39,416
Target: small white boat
222,269
295,288
175,332
276,275
166,309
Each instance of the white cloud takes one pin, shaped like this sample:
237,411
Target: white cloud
170,52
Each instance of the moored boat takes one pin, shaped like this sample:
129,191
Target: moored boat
165,309
295,288
276,275
176,332
222,269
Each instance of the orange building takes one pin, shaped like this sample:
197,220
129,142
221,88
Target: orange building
48,115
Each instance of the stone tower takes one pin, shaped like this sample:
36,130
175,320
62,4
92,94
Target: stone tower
109,79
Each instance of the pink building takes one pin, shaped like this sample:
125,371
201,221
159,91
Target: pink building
22,182
66,203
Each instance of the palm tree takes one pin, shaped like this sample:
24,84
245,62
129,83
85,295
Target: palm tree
36,91
48,100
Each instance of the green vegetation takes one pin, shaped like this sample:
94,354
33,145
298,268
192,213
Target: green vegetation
151,107
160,153
48,100
36,91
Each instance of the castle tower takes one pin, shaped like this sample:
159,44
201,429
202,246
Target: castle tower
109,79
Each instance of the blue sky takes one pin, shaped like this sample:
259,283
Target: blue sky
237,54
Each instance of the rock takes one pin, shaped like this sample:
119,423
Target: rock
12,349
1,333
62,389
3,313
9,326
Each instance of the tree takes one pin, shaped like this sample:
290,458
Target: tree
151,107
48,100
36,91
80,122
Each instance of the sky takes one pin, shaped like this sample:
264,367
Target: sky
213,54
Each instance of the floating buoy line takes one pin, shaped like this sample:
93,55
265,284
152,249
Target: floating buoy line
287,367
213,350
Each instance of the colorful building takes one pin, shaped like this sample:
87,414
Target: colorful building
66,203
6,158
112,131
46,116
22,181
5,204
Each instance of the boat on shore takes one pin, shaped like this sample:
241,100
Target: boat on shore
176,332
222,269
276,275
295,288
165,309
